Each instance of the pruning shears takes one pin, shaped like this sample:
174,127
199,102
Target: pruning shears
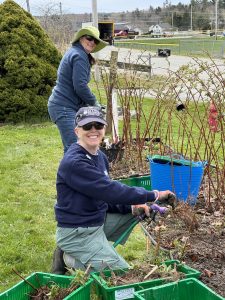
154,209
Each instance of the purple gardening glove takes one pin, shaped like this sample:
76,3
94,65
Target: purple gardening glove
157,208
144,210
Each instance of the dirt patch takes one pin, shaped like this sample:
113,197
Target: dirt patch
196,237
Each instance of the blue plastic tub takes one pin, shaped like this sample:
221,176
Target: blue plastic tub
183,179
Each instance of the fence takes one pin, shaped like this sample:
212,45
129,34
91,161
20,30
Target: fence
198,47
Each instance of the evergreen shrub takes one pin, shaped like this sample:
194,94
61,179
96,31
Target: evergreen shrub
28,65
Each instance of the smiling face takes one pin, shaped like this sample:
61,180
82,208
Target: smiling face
89,43
90,139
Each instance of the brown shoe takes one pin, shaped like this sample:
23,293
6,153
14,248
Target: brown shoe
58,265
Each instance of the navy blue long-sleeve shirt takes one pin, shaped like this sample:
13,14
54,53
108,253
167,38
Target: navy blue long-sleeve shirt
71,89
85,192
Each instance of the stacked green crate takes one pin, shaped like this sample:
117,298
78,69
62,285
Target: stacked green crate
22,290
107,292
127,291
185,289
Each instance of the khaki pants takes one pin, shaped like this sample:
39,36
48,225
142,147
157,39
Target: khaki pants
91,246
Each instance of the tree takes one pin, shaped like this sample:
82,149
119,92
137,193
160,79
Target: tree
158,10
28,65
202,22
222,4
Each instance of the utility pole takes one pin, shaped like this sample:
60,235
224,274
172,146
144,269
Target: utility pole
172,21
95,23
94,13
191,19
28,6
216,18
60,8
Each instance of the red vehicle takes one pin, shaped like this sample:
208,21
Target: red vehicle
123,33
126,33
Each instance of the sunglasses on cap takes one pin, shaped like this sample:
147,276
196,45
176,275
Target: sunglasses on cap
96,125
91,38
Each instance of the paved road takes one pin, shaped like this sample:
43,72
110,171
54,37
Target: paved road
160,65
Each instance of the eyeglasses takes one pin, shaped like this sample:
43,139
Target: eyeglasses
91,38
96,125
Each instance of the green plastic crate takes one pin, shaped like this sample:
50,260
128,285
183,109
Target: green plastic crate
186,289
22,290
142,181
127,291
120,292
131,181
183,268
145,182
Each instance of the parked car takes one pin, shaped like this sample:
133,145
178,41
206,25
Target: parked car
131,34
168,34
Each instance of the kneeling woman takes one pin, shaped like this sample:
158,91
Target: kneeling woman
92,209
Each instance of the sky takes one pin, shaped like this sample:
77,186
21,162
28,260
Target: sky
85,6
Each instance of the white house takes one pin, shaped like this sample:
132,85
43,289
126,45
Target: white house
155,30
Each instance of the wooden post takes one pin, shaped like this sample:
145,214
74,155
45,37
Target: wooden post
95,23
112,79
115,123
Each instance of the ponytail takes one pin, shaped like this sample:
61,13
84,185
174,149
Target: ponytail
91,59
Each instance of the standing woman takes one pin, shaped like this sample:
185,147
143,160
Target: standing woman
71,91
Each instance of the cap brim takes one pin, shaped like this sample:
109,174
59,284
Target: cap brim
91,119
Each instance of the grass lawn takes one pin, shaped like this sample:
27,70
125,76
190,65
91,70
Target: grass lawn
29,160
179,46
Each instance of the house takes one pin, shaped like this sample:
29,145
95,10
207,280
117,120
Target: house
155,30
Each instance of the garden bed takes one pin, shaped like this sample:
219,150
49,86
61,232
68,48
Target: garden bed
197,237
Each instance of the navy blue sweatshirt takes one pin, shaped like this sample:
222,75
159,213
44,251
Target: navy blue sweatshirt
85,192
73,76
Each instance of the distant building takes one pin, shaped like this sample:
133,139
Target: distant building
155,30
